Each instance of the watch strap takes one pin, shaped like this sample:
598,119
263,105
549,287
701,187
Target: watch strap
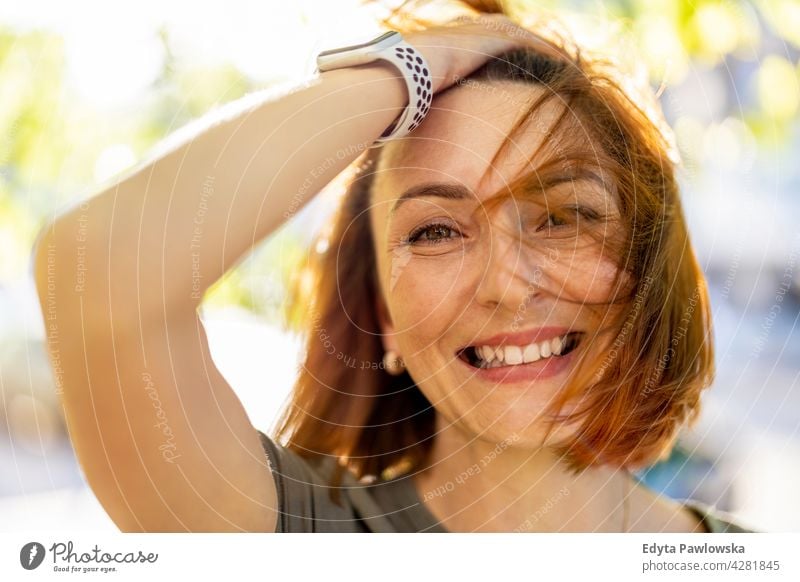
390,47
417,77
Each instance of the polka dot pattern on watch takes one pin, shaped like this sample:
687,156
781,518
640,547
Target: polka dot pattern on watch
420,88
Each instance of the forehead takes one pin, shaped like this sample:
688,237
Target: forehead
461,137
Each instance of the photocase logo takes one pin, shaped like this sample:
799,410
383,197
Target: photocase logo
31,555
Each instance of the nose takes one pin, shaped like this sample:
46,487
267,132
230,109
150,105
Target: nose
512,275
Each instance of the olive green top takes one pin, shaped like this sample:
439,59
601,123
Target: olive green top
381,506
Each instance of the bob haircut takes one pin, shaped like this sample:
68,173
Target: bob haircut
633,396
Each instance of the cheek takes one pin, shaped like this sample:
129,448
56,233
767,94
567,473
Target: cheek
587,277
426,294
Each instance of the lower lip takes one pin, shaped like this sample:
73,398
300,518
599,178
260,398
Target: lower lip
538,370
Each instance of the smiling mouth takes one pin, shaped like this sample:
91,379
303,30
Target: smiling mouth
513,355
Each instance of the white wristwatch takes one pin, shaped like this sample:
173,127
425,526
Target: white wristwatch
392,48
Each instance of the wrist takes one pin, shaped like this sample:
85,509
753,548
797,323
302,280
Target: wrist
378,87
390,53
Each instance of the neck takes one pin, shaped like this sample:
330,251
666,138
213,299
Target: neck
477,485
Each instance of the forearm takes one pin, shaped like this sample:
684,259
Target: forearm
159,237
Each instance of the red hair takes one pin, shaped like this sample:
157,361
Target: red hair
633,396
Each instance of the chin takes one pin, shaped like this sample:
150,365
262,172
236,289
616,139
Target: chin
516,426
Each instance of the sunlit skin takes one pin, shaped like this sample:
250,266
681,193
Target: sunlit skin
466,279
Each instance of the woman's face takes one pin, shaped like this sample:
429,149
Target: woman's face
478,316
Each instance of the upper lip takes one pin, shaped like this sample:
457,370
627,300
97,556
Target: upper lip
522,338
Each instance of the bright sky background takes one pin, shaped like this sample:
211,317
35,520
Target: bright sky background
266,40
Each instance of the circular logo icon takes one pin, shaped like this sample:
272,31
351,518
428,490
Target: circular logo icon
31,555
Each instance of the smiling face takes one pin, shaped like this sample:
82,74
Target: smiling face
490,306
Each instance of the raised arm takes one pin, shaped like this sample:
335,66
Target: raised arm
163,440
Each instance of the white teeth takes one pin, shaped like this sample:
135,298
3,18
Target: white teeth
546,352
494,356
531,353
513,355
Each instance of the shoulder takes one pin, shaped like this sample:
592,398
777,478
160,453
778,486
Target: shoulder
658,513
307,500
304,496
715,520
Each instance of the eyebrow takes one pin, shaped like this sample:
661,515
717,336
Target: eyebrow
459,192
438,189
573,177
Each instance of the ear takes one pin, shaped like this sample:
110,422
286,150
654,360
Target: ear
386,326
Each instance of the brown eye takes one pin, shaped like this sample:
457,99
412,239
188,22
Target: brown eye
567,215
431,234
553,221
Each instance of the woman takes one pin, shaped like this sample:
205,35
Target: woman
505,318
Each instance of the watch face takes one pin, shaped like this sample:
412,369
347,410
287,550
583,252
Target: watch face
376,42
